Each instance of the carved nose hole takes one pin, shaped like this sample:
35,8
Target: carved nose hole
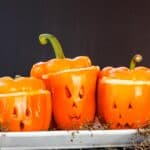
15,111
120,116
21,125
67,92
28,112
118,125
114,105
74,105
130,106
81,92
127,125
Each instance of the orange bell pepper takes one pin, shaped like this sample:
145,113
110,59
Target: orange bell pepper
124,95
72,83
60,62
25,104
73,95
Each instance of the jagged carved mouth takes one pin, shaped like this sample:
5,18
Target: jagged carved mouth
74,117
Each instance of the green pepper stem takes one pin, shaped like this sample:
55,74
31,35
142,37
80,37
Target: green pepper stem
135,59
44,38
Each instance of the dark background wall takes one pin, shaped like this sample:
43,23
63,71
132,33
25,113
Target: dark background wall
110,32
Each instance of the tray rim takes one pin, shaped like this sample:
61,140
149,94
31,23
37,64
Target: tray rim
80,139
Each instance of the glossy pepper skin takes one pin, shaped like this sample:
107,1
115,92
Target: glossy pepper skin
25,104
56,64
73,95
124,97
73,86
60,62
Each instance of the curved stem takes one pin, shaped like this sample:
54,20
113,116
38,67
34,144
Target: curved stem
136,59
45,38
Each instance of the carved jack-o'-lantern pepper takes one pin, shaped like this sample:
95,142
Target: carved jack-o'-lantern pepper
72,83
124,95
25,104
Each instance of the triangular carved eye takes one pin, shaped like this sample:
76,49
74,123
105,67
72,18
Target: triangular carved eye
28,112
81,92
67,92
130,106
115,105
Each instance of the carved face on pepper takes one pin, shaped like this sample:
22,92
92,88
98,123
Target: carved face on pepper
73,96
72,83
124,96
25,105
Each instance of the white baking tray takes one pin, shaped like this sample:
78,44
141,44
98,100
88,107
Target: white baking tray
67,139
